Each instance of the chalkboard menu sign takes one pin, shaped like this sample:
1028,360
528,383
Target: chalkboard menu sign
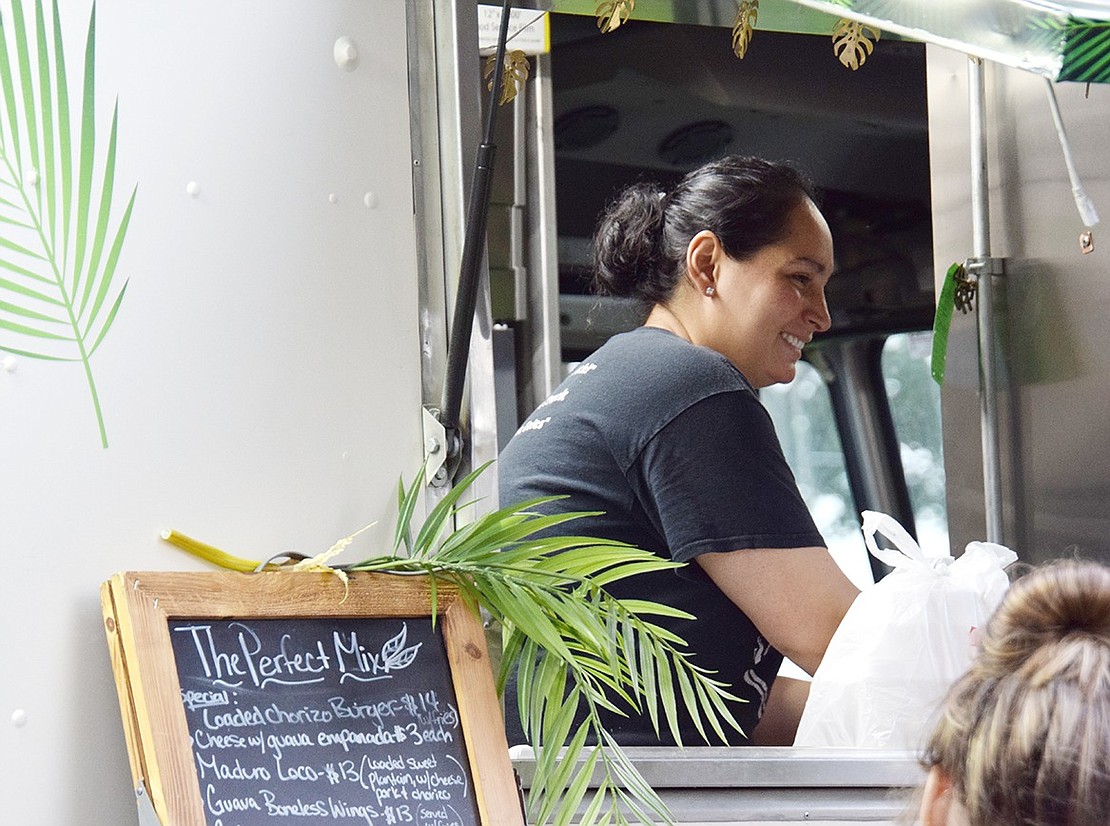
324,719
280,697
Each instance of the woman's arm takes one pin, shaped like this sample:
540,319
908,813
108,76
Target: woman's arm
779,724
795,596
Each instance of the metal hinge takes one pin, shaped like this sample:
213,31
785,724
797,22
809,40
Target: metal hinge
435,449
147,815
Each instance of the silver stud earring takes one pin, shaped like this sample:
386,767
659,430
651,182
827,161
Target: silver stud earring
709,291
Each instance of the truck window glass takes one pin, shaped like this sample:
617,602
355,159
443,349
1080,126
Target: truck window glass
915,408
803,416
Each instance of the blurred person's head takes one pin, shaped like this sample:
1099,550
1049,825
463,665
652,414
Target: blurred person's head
1024,737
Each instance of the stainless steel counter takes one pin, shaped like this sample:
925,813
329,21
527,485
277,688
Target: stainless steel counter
775,785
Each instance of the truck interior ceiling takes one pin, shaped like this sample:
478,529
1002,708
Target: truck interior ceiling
653,100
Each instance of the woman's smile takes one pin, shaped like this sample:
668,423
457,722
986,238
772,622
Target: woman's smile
794,342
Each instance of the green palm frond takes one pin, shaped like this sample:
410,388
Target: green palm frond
1084,46
59,244
575,648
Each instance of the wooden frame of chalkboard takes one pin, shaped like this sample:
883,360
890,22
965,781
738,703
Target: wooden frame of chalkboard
142,611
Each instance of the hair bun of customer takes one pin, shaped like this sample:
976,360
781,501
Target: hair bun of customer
1048,619
1025,733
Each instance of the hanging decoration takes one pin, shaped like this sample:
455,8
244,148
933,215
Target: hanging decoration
1058,39
612,14
514,74
957,293
852,42
746,13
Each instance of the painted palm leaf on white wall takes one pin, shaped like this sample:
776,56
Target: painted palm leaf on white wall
61,231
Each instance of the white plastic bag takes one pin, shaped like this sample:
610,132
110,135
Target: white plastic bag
902,643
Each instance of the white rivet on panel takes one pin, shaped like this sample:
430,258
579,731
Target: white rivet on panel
192,189
370,199
345,53
19,718
9,364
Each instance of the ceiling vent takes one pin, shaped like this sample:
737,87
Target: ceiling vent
696,143
585,127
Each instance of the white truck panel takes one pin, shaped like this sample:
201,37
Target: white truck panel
260,385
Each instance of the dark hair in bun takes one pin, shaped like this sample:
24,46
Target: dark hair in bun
641,240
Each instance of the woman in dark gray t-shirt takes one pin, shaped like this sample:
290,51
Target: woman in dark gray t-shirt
661,429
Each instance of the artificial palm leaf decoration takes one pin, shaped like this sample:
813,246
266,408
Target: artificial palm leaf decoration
746,13
852,42
1084,44
577,649
612,14
58,250
514,74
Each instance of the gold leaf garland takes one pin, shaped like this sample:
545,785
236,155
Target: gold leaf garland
852,42
514,74
746,13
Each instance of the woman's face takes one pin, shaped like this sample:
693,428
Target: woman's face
765,309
